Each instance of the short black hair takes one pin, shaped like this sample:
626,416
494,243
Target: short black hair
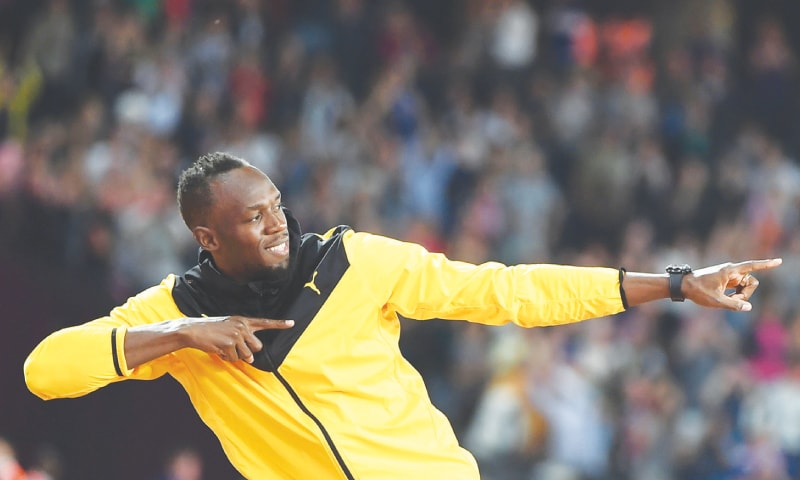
194,185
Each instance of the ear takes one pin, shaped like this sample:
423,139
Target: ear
206,238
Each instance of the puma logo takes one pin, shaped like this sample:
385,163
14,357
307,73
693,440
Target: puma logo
311,283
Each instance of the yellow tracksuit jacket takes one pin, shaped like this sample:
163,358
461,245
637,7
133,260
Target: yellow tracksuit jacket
331,398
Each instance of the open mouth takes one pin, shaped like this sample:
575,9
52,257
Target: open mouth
279,250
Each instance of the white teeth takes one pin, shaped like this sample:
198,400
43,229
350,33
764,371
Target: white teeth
279,248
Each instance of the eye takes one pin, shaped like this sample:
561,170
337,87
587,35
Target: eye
256,218
277,208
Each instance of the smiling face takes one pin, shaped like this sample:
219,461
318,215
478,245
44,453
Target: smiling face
245,229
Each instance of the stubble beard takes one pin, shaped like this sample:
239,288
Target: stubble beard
277,273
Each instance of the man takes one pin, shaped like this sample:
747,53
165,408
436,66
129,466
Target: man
324,392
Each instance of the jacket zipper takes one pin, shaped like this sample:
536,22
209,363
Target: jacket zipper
316,420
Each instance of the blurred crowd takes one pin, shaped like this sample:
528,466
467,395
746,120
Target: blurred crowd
183,463
549,131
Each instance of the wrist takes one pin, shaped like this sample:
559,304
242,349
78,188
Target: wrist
181,333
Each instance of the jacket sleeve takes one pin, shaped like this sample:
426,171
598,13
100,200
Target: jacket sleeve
78,360
415,283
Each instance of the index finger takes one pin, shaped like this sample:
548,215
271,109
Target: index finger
755,265
257,324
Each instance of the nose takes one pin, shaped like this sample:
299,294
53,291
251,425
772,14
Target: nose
275,223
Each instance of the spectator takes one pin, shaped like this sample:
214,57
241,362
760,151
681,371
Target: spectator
183,464
9,468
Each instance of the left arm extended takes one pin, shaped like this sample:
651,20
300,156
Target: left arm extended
419,284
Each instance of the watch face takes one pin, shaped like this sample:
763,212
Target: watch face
679,268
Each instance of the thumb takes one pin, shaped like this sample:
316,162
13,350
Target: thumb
736,303
744,306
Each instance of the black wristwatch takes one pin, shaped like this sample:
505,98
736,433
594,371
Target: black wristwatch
676,274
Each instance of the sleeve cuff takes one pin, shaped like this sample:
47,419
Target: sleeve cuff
118,351
622,296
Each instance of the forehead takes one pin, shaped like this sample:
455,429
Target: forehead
242,188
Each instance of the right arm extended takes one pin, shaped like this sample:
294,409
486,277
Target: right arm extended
74,361
78,360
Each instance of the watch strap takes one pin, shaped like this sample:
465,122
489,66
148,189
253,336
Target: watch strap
675,281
